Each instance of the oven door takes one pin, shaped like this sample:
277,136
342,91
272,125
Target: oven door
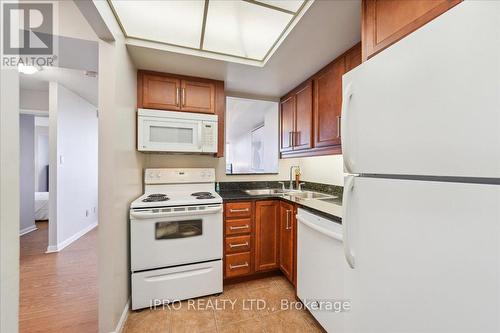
163,237
171,135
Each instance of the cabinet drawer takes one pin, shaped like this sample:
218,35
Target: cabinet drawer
239,226
237,264
237,244
238,209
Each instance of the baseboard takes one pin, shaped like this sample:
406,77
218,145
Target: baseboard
123,318
68,241
27,230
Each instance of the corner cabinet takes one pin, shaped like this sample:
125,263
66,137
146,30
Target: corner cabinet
310,114
267,224
171,92
384,22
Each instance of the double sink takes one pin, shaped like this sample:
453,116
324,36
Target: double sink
293,194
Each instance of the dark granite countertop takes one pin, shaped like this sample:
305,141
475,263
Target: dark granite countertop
331,209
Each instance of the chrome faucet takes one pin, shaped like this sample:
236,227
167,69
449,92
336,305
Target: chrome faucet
291,175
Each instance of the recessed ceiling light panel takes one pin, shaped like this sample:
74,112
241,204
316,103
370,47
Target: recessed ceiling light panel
246,31
176,22
243,29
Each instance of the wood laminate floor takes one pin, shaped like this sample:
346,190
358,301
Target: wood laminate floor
58,291
216,314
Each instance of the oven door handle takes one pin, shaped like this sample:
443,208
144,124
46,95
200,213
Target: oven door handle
148,214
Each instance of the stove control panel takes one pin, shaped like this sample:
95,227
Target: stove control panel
179,175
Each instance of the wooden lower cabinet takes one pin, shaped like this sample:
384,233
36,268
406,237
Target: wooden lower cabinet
267,225
287,237
259,236
238,238
237,264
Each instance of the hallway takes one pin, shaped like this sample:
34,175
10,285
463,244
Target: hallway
58,291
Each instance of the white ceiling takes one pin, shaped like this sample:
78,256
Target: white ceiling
243,115
75,80
325,31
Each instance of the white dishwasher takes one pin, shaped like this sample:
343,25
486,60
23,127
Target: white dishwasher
320,268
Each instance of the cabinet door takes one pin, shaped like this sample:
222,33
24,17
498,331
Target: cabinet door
387,21
328,104
267,223
287,123
303,117
286,240
353,58
160,92
198,96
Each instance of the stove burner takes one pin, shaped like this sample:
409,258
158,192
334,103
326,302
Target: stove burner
201,194
157,195
210,196
154,199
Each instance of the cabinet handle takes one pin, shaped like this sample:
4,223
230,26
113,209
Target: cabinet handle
238,245
177,93
296,139
238,266
239,210
183,96
288,226
290,139
238,228
338,126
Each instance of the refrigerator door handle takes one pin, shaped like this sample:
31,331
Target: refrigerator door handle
344,119
348,188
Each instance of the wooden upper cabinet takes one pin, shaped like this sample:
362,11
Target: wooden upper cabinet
179,93
287,232
303,117
287,123
384,22
198,96
160,92
353,57
267,232
316,106
328,104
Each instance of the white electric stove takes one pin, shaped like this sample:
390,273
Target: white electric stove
176,237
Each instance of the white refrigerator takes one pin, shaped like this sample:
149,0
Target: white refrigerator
421,146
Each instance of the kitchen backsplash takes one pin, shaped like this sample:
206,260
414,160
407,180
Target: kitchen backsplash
311,186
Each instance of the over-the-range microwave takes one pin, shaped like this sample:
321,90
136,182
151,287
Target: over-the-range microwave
180,132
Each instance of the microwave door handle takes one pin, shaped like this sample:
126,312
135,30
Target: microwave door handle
200,135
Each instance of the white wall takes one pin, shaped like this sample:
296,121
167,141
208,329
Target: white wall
120,170
9,200
73,167
71,22
31,99
27,172
198,161
323,169
41,153
320,169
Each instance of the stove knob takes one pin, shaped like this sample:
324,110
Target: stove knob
158,175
